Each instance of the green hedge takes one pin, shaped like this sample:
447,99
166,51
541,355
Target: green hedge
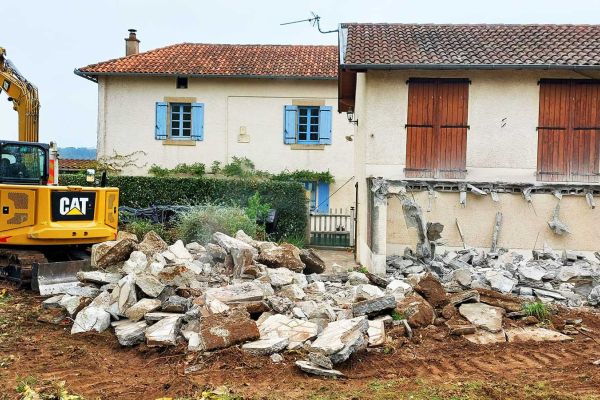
288,198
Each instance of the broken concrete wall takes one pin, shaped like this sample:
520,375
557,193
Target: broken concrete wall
522,223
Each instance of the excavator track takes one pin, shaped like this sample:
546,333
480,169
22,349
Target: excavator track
17,265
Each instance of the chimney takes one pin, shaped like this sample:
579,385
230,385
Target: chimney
132,44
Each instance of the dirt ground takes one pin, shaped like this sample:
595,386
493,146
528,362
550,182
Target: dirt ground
431,366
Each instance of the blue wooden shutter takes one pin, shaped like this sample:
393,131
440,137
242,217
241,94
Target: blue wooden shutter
323,198
198,121
160,129
325,125
290,115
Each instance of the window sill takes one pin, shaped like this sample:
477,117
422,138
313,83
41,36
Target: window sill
307,146
179,142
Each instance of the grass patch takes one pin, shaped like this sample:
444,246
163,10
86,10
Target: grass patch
298,241
417,389
538,310
29,388
398,316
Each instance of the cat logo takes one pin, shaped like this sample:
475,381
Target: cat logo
73,206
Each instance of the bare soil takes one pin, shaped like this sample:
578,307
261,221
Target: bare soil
431,366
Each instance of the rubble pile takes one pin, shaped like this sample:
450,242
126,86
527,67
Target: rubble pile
269,298
569,278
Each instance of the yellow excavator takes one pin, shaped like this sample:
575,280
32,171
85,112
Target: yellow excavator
45,229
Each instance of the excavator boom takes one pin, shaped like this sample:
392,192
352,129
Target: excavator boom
24,96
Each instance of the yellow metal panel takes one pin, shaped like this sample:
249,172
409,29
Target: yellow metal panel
112,208
17,208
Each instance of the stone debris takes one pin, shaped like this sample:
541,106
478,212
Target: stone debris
341,338
535,334
483,316
137,311
91,319
310,368
271,298
130,333
164,332
221,331
313,262
265,347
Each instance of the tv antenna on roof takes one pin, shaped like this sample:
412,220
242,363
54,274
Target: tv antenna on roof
314,21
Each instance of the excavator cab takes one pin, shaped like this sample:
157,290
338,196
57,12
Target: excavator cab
24,163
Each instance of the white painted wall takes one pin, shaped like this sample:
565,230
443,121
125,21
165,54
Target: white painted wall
494,152
126,120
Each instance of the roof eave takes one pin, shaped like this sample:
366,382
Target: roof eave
466,66
93,75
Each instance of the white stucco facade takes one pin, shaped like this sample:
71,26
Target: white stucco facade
242,118
503,109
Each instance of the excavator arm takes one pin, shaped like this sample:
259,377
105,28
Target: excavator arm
24,96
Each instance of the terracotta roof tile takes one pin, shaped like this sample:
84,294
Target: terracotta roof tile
285,61
428,44
75,164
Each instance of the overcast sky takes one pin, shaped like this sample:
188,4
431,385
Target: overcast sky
48,39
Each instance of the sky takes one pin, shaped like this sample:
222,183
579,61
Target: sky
47,40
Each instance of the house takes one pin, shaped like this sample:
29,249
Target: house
194,102
475,123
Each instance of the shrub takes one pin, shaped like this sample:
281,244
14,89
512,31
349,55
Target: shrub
256,209
304,176
239,166
158,171
215,167
195,169
288,198
200,223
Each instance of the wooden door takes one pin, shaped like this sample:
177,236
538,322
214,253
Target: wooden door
569,130
437,128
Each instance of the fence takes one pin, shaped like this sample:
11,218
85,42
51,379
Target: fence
335,229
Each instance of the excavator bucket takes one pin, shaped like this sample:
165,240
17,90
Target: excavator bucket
56,277
31,268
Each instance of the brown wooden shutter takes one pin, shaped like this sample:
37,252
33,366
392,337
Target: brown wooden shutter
436,143
569,130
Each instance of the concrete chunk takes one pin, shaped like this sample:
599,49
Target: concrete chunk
164,332
149,284
341,338
535,334
98,277
130,333
265,347
137,311
248,291
374,306
310,368
483,315
91,319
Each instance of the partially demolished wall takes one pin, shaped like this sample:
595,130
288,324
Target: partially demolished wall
561,217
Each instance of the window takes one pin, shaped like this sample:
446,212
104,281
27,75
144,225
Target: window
569,130
179,121
22,163
318,196
307,125
182,82
436,129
